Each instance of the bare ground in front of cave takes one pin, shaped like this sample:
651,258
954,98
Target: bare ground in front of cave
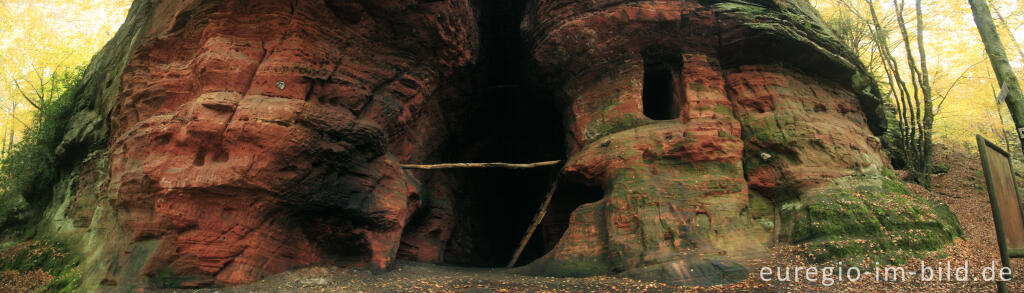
962,188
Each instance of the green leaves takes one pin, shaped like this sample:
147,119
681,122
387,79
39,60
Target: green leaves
28,171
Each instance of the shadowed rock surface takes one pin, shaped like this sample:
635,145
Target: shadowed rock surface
218,142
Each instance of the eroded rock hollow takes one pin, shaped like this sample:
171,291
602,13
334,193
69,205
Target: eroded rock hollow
230,140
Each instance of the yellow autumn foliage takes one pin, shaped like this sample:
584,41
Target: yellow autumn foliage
40,37
962,78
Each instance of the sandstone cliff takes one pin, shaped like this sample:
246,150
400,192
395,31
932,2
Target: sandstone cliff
218,142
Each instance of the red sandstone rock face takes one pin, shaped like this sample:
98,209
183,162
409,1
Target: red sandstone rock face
251,137
676,204
818,123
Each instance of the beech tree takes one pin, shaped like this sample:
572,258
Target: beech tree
911,91
1000,64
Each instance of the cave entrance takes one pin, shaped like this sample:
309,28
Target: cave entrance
507,120
569,195
660,91
493,209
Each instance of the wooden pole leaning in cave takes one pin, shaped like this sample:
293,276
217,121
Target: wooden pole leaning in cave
543,210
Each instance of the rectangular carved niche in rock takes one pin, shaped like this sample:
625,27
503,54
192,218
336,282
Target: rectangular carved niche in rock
661,93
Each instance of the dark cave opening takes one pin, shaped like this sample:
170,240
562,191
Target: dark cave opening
512,121
569,195
660,94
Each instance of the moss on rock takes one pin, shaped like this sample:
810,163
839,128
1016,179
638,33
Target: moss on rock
858,218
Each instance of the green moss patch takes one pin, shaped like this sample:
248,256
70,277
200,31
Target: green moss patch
940,169
873,220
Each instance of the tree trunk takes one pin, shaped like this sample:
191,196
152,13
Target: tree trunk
1000,64
912,97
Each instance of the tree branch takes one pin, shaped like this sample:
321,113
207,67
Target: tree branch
23,95
942,98
480,165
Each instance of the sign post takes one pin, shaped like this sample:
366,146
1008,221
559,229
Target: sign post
1006,208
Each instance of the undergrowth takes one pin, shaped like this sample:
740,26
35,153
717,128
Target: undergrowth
30,169
50,256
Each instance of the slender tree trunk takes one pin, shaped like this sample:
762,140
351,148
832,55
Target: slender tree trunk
3,148
9,133
896,88
9,137
1000,64
922,97
912,97
926,91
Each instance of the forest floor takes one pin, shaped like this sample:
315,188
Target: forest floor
961,188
